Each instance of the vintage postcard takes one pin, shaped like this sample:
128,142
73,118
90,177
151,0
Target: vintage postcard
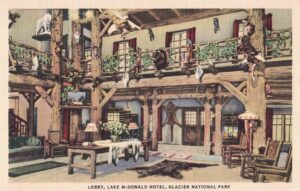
152,97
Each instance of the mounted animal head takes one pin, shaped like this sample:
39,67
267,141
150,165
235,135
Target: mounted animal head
160,59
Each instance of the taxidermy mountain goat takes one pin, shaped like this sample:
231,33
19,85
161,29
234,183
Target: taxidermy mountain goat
43,24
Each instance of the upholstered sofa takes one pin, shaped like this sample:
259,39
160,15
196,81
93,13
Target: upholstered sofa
25,148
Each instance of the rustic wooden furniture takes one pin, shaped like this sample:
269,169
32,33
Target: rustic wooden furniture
231,153
25,151
280,171
269,157
92,151
53,146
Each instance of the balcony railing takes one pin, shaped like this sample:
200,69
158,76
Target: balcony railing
278,43
217,52
30,58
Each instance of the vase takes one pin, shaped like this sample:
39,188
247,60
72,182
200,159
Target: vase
114,138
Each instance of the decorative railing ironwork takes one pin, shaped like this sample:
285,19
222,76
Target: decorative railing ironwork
29,57
278,43
222,51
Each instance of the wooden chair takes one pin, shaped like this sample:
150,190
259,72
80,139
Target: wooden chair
269,157
54,146
279,172
231,153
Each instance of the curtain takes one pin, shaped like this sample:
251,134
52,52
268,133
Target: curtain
132,43
168,39
236,24
115,47
269,122
66,124
191,35
159,124
268,21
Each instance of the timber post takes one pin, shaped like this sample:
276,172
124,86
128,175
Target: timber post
76,45
56,39
256,94
145,118
155,106
31,102
218,126
207,128
96,111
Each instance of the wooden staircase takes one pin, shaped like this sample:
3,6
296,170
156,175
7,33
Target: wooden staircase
17,125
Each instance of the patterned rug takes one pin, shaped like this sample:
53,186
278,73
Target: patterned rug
19,171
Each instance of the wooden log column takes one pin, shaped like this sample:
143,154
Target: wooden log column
56,39
155,106
207,128
75,121
77,45
31,102
96,111
145,119
256,94
218,126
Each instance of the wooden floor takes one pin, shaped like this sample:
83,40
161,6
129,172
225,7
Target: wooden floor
111,173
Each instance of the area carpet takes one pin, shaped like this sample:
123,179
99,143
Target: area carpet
168,168
19,171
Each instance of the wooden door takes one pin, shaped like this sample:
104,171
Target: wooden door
193,130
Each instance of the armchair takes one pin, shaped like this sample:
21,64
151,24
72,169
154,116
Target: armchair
269,157
280,171
232,153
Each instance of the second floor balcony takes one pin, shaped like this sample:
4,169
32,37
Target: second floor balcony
221,54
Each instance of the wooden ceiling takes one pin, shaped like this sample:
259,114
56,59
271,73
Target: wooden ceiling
149,18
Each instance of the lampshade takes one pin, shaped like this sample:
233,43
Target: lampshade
91,127
248,116
132,126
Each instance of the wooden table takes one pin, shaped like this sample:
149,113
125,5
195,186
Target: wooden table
89,150
92,151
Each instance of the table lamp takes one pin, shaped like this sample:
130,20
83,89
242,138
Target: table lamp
89,130
131,127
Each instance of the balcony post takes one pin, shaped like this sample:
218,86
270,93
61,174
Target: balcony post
56,39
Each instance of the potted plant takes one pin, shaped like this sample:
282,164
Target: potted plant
115,129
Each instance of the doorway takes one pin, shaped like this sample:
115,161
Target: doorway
193,126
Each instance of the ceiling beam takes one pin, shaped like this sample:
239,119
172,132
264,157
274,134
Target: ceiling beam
178,14
139,22
29,81
154,15
185,18
235,76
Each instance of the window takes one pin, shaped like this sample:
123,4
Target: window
123,55
282,127
113,117
230,126
190,118
122,50
179,43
